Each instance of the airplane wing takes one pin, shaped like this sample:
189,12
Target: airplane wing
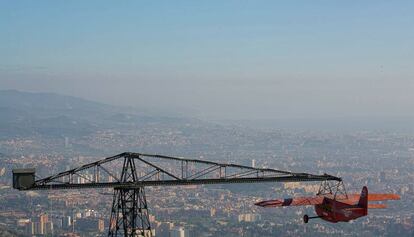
299,201
376,197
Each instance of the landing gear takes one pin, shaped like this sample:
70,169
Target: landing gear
306,218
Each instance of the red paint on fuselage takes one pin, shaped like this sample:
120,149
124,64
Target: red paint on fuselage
335,211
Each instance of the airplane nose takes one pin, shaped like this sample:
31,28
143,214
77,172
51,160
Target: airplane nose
269,203
259,203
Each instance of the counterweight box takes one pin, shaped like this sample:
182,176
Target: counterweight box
23,178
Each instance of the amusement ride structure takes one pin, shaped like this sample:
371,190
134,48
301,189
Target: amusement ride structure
129,173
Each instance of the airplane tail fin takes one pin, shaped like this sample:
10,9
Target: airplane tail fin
363,199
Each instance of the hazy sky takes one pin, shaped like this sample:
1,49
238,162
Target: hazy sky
219,59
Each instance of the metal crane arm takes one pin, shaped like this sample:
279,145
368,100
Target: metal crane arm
160,170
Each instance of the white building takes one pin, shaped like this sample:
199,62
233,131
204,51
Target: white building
177,232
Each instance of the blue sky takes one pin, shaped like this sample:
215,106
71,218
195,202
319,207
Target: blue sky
217,59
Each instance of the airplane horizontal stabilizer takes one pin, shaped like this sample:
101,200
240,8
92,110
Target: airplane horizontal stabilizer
376,206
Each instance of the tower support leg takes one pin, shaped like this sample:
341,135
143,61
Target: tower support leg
129,215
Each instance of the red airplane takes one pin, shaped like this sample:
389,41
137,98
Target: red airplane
335,208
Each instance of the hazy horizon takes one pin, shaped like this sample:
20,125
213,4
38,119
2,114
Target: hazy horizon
217,60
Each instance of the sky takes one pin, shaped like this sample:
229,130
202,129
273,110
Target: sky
216,59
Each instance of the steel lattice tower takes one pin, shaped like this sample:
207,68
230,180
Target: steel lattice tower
129,215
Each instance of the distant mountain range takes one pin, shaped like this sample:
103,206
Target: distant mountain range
50,104
49,114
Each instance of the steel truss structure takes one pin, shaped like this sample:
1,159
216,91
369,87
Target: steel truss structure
128,173
335,189
129,215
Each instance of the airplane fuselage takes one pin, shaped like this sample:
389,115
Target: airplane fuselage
336,211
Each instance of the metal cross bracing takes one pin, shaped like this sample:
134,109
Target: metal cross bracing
335,189
129,214
128,174
160,170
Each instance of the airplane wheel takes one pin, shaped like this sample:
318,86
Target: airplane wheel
306,218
